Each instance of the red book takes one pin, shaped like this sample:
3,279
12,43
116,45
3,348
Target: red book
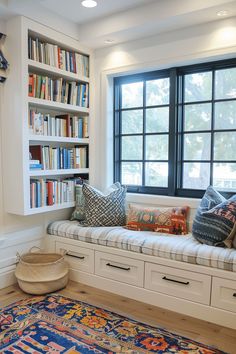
36,152
59,57
50,192
31,85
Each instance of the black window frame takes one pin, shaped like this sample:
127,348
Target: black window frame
176,121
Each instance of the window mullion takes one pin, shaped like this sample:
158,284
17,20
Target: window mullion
212,126
144,133
172,132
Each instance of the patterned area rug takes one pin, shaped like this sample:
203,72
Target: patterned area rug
56,324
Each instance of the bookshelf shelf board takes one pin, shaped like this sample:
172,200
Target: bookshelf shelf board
63,107
57,139
73,171
45,209
37,67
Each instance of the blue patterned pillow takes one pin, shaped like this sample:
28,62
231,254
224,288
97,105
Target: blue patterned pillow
104,209
214,223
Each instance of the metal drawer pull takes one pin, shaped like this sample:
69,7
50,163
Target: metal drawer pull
176,281
115,266
73,255
234,295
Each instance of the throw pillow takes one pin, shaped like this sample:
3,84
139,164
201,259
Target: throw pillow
172,220
213,223
78,213
104,209
221,222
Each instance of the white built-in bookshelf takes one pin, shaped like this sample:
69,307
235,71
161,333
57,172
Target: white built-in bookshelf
65,109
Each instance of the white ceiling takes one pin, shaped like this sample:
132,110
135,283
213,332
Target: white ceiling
118,20
74,11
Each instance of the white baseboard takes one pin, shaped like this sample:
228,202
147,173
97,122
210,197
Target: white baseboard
7,277
200,311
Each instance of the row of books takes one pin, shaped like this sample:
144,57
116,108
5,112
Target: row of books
54,55
51,191
54,158
62,125
59,90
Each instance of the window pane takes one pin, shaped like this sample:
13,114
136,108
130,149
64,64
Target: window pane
157,120
131,173
132,95
225,115
157,92
197,146
156,174
132,122
225,146
198,87
196,175
224,176
132,148
197,117
157,147
225,83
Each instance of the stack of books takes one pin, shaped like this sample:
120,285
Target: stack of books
59,90
52,54
35,165
56,158
60,125
51,191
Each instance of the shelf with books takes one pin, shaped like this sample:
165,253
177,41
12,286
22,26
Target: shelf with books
41,139
60,93
64,107
38,67
59,55
47,208
74,171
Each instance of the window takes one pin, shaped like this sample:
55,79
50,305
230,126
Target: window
175,130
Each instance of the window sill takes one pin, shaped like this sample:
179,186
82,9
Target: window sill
161,200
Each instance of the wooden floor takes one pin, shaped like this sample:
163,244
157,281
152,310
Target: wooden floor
204,332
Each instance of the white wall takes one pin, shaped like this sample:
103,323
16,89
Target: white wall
216,40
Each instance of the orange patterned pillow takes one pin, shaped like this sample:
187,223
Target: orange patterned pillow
172,220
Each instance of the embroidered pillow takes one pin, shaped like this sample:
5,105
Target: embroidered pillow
221,220
213,224
104,209
172,220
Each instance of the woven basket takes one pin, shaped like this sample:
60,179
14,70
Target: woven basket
41,273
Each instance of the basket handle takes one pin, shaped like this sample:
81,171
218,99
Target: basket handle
31,249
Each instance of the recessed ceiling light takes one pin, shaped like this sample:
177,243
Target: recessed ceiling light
89,3
222,13
108,41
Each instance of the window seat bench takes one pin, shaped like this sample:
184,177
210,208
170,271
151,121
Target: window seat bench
169,271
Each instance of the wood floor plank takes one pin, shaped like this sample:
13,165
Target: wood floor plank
201,331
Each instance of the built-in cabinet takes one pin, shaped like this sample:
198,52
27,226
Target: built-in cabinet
18,138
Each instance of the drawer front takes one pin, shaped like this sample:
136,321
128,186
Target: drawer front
78,257
125,270
178,283
223,294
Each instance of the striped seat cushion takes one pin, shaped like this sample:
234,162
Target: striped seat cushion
179,248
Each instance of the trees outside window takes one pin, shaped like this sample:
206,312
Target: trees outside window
175,130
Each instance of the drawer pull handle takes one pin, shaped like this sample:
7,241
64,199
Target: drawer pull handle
234,295
176,281
73,255
115,266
